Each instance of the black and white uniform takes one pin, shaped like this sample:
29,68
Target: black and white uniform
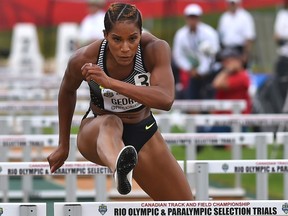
107,99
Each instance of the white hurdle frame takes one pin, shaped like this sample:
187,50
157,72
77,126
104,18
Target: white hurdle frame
233,207
69,169
37,94
203,168
188,139
51,106
190,122
23,209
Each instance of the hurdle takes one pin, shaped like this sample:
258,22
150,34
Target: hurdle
260,140
203,168
69,169
23,209
233,207
190,124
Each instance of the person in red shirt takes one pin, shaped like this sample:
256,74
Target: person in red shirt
233,81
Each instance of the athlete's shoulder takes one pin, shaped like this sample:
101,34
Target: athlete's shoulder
86,54
150,42
155,51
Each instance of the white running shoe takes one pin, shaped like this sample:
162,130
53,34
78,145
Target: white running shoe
125,163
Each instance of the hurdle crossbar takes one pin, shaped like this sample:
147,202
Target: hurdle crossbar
23,209
38,106
42,168
235,106
186,139
233,207
37,94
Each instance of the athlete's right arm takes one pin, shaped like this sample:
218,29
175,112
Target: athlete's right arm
66,104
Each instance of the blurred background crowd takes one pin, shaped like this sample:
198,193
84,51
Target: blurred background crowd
221,49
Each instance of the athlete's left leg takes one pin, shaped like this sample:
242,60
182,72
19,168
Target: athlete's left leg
158,172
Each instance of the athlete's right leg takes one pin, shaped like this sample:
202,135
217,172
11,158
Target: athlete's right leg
100,139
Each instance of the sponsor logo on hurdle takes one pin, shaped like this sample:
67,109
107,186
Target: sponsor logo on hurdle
285,208
1,211
225,167
102,209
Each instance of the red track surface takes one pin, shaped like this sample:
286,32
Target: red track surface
53,12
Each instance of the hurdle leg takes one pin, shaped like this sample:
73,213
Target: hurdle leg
100,185
28,210
285,156
72,210
4,183
191,151
191,155
27,185
202,181
71,180
237,155
261,178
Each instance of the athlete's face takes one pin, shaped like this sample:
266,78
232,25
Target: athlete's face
123,40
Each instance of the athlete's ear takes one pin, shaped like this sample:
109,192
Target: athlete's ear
105,33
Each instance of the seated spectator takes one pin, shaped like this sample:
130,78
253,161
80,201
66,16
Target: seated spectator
232,82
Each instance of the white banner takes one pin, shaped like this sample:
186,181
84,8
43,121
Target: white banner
175,208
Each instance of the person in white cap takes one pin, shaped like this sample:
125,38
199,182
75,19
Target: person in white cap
92,26
281,38
194,48
236,29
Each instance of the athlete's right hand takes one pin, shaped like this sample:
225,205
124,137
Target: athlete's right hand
94,72
57,158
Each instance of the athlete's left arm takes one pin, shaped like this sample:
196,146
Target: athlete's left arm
161,92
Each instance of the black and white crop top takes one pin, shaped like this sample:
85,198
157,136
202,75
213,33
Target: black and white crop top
107,99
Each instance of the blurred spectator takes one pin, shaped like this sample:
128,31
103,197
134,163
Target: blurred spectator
236,29
233,81
92,26
194,48
281,37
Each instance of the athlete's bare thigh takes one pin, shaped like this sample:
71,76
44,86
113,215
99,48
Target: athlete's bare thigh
87,138
89,135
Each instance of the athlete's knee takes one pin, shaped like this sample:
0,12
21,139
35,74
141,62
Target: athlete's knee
112,122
